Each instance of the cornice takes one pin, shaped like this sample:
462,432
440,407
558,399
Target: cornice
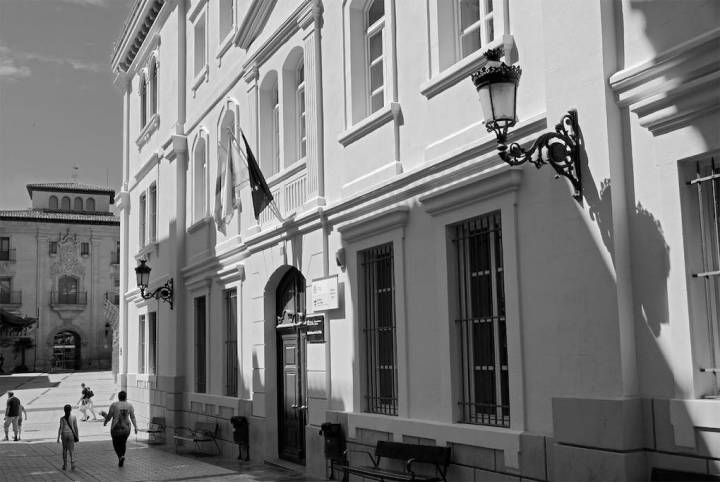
674,87
257,15
375,223
138,26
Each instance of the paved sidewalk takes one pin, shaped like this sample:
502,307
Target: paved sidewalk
37,457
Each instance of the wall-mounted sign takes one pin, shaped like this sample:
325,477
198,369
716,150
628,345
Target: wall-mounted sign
325,294
315,328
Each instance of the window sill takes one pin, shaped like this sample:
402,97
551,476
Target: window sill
147,131
370,123
148,249
225,44
201,77
197,225
293,168
461,70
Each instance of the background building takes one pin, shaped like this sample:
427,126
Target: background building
465,302
59,263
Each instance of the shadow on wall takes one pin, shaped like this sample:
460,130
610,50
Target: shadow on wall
14,382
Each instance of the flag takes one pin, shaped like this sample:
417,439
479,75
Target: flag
261,195
227,186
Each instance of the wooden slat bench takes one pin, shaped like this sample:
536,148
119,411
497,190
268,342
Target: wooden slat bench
155,430
203,432
409,453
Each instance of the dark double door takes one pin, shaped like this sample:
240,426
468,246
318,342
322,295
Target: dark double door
291,351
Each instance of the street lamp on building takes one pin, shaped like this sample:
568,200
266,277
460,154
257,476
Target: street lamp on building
496,83
165,293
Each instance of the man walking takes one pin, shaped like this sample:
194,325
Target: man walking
86,403
12,412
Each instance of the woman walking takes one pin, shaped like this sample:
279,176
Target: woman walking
68,431
121,413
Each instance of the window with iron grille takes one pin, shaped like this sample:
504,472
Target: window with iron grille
378,326
200,353
4,249
152,343
84,249
52,250
141,344
231,355
480,321
706,187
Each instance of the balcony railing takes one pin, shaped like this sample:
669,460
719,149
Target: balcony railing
115,257
77,298
7,254
11,297
113,298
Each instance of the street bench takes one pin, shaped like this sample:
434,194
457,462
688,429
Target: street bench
155,430
202,433
411,454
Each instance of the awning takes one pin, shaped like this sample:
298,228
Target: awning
11,323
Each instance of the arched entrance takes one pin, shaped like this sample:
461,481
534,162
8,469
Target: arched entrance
291,363
66,350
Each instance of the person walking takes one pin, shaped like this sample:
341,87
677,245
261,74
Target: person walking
122,413
20,420
12,412
68,432
86,403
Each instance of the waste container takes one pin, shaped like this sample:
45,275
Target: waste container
241,435
334,444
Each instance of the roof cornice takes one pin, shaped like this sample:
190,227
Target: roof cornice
137,27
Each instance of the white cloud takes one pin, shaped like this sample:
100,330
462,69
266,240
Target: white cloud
91,3
9,71
14,55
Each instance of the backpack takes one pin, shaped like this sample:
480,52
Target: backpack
89,393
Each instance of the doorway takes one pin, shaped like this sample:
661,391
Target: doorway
291,362
66,351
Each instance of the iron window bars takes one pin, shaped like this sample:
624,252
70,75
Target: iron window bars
231,358
480,326
379,330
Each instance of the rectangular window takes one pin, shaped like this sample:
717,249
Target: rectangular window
84,249
480,322
52,248
199,41
300,101
152,342
227,18
141,216
706,187
5,290
276,133
152,214
4,249
141,344
231,354
115,255
200,336
376,72
476,25
378,322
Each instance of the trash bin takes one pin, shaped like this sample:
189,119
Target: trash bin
241,435
334,444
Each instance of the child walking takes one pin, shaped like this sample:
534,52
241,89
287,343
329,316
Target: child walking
68,431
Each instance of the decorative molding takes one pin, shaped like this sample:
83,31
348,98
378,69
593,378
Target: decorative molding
200,77
674,87
225,44
257,15
193,14
151,126
499,180
231,274
152,161
375,223
391,111
67,262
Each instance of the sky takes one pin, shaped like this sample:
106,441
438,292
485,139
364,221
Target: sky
58,105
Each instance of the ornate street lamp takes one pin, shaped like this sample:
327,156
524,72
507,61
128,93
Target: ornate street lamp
496,83
165,293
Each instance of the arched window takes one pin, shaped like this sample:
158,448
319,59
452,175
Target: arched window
270,125
65,203
90,204
375,24
67,290
143,101
153,87
199,179
78,204
53,202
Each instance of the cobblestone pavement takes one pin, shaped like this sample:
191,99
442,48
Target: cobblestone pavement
38,457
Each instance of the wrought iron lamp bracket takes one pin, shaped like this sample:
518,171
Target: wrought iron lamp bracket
164,293
560,149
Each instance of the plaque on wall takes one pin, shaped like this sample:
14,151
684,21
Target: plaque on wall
325,294
315,328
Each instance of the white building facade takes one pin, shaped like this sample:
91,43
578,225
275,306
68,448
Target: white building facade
59,263
464,302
